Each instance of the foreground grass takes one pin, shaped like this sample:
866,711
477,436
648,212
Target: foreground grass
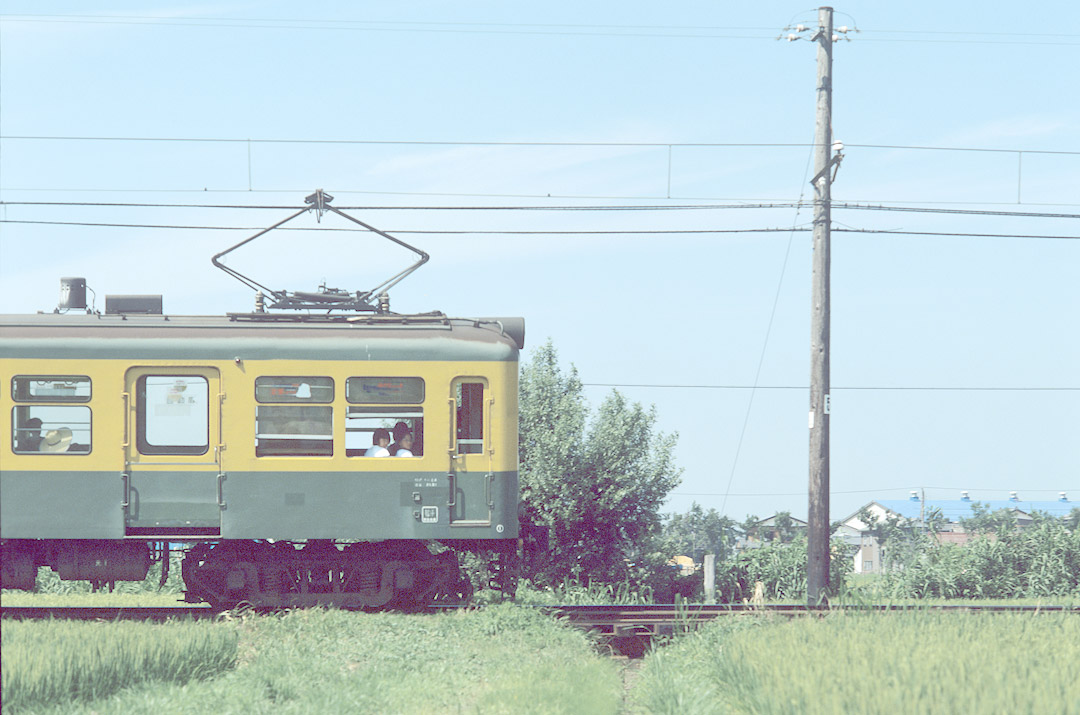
909,662
499,660
60,661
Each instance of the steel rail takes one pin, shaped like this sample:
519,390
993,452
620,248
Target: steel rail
107,613
655,619
612,619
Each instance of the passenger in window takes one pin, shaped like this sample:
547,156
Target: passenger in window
29,435
400,430
56,440
404,446
380,440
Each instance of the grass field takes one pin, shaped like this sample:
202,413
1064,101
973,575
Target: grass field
906,662
59,661
507,659
499,660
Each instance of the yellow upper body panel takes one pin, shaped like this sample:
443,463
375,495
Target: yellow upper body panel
232,406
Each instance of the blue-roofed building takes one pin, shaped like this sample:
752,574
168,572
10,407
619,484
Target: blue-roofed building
868,554
956,509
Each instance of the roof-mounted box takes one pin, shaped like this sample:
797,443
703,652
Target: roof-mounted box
133,304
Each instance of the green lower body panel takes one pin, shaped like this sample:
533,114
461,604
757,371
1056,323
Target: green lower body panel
367,505
61,505
259,505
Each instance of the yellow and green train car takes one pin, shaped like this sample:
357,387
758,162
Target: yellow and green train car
247,438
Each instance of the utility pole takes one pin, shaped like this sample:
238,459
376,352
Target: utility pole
817,567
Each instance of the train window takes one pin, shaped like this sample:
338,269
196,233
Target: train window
469,397
385,390
311,390
51,429
50,388
294,431
362,422
173,414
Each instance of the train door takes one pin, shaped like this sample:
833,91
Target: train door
471,450
172,451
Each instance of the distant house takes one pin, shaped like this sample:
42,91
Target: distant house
778,527
855,532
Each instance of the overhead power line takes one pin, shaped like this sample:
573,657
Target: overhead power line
338,26
955,234
870,491
508,232
532,232
451,142
859,387
490,28
487,195
937,210
379,23
673,207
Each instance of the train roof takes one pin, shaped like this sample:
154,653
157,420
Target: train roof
430,336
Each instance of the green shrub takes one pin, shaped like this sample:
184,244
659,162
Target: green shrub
781,569
1041,561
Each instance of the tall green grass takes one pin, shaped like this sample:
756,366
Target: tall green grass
503,659
909,662
61,661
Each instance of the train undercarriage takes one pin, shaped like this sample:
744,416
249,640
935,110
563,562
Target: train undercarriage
392,575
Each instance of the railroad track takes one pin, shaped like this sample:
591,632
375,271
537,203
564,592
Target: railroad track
654,618
609,620
107,613
629,630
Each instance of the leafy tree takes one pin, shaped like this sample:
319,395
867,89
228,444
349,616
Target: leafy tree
896,535
1072,519
699,532
784,528
597,483
985,521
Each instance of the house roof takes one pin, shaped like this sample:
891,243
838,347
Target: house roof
956,509
771,521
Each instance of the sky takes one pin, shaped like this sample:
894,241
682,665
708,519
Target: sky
955,358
